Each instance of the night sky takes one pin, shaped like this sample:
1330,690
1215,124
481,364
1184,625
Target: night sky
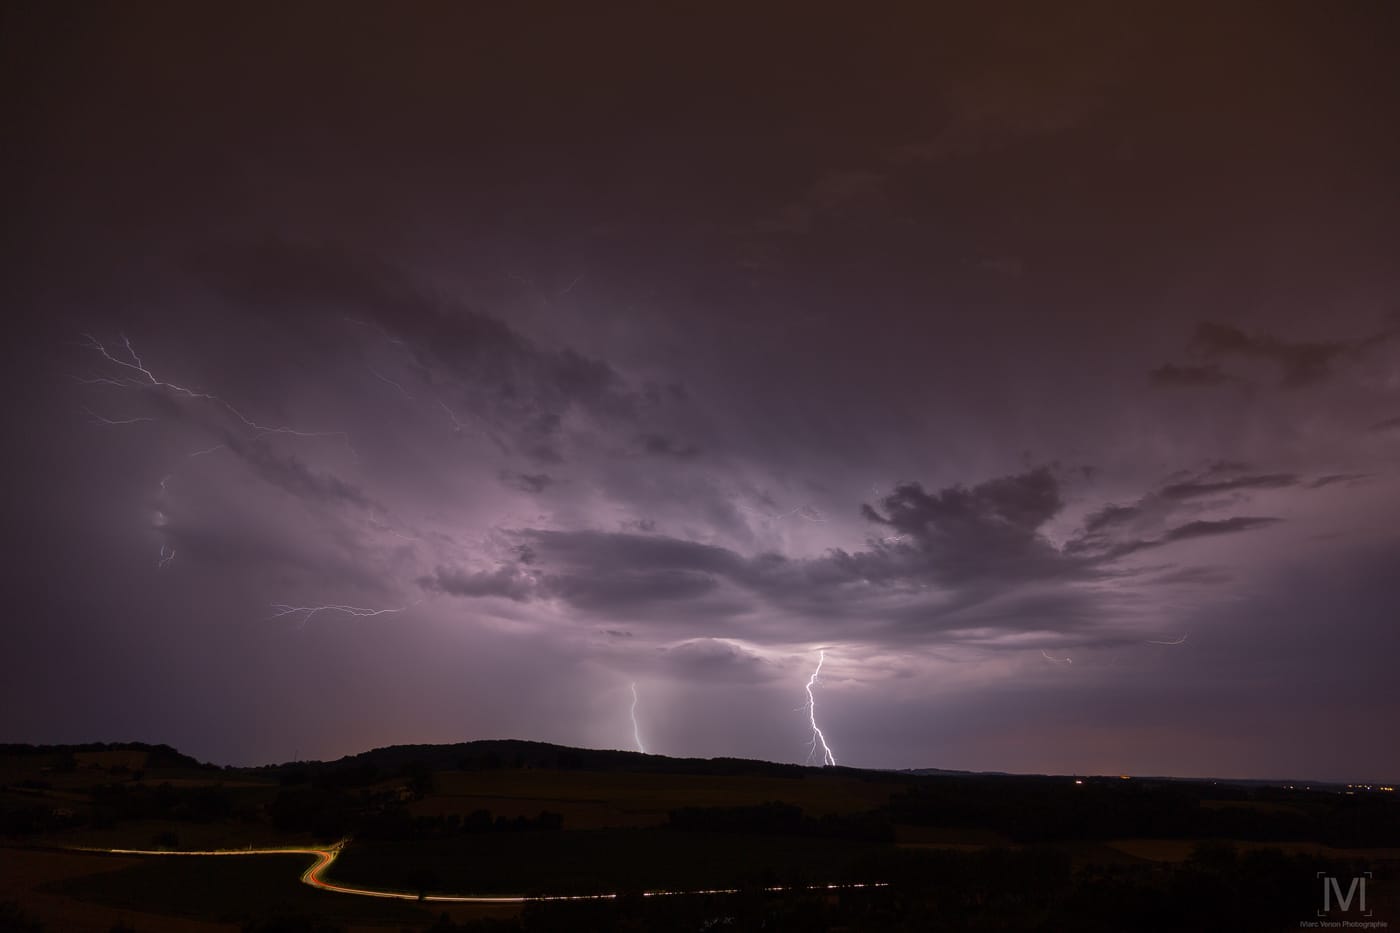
1042,368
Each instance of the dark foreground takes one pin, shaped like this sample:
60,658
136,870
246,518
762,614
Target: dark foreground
948,851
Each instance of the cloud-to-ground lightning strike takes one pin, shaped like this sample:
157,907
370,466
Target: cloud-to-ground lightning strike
1174,641
281,610
818,739
146,378
167,554
1046,655
636,730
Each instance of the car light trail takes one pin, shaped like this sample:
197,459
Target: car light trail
324,857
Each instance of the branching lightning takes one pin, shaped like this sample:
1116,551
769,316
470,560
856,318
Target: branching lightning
100,419
144,378
818,739
165,480
385,379
282,610
464,428
382,332
636,730
134,373
458,426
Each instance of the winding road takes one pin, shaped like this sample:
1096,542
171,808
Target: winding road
326,855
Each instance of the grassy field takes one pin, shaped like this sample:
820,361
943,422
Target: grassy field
597,800
596,861
226,890
34,879
151,834
948,844
1179,850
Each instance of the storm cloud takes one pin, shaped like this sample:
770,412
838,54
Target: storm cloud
552,354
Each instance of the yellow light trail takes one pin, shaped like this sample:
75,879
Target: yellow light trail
326,855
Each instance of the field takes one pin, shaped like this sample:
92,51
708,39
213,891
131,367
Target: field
598,800
951,851
229,890
35,880
600,860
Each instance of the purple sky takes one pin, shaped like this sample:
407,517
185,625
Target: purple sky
1042,369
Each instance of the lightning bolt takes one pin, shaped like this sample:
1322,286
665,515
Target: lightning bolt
1175,641
143,377
282,610
458,426
1047,657
132,372
828,758
636,730
382,332
100,419
387,381
165,480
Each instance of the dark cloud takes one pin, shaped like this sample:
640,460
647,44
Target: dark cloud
1334,478
603,550
960,534
473,364
630,591
1110,515
290,474
1114,530
659,445
965,558
527,482
715,660
1298,363
1226,526
573,367
1195,488
508,581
